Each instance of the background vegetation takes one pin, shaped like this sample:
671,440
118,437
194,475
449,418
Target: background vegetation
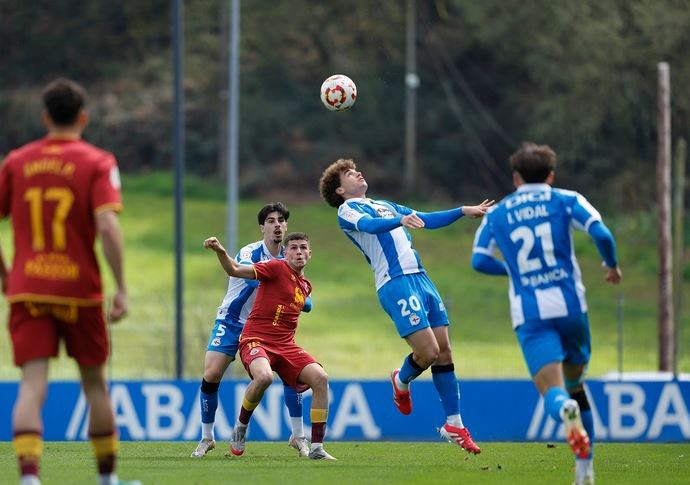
580,76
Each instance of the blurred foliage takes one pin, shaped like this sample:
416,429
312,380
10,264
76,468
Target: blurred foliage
580,76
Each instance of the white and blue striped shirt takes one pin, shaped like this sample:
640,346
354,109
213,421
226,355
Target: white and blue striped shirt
389,252
532,228
241,293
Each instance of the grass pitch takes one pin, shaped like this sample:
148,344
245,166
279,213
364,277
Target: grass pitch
362,463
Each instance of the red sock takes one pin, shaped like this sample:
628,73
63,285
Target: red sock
105,449
317,432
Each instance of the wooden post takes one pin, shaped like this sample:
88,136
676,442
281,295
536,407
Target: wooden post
663,184
678,249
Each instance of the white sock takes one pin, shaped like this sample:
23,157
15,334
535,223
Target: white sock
584,468
400,384
207,431
240,425
315,446
107,479
455,420
297,426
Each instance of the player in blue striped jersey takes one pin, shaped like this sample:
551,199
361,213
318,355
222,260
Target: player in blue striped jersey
379,229
532,228
230,318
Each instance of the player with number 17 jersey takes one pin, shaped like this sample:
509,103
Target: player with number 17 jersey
52,189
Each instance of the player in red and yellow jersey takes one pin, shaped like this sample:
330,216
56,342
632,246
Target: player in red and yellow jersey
60,193
267,343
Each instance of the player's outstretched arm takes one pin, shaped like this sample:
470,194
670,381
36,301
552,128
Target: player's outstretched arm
475,211
606,245
231,267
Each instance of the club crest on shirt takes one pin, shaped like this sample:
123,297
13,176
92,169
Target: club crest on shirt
299,296
414,319
216,342
254,351
384,212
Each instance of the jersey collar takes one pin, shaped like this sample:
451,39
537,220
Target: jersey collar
267,253
533,187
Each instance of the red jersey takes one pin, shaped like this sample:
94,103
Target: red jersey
52,188
279,301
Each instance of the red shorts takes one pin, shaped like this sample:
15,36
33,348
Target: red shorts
37,328
287,361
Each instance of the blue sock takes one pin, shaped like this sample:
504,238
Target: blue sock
409,371
553,401
208,399
447,387
293,401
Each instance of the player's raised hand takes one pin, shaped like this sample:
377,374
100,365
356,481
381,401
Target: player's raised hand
475,211
214,244
612,275
412,221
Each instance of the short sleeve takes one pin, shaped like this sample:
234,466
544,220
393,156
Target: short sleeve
267,270
105,190
245,255
348,216
582,212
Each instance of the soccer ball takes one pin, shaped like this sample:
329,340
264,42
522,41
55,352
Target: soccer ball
338,93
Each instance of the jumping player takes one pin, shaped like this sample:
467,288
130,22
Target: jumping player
60,192
378,228
230,318
532,228
267,342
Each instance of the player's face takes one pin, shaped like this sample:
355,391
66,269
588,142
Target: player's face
274,227
297,253
352,184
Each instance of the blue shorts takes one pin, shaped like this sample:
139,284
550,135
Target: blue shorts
413,303
556,340
225,337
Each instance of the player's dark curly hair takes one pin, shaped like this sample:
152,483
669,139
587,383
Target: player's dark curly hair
533,162
330,180
64,99
272,207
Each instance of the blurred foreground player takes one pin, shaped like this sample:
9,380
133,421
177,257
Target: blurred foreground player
60,192
532,227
